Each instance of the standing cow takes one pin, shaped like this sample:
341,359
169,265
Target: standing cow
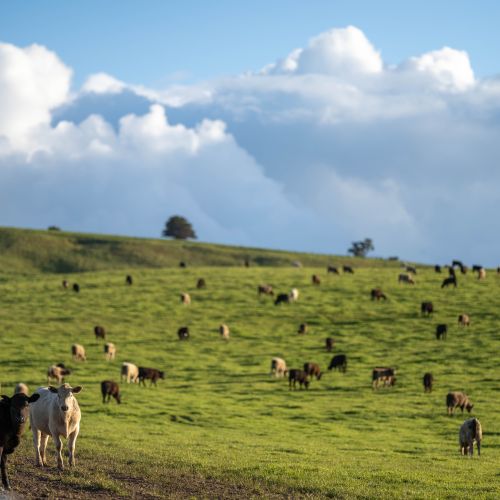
470,431
428,381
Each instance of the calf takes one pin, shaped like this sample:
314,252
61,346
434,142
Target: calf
385,375
302,329
183,333
128,279
151,374
224,331
332,269
99,332
13,418
58,373
130,372
338,362
470,431
278,367
110,388
329,344
452,280
316,280
458,399
76,287
201,284
377,294
109,351
313,370
406,278
78,352
464,320
185,299
428,381
265,290
282,298
441,331
426,308
56,414
299,376
348,269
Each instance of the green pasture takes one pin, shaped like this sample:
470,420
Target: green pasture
220,415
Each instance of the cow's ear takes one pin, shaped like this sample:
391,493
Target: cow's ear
5,398
33,398
76,389
52,389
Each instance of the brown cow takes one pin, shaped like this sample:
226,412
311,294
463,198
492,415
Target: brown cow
99,332
299,376
110,388
470,431
458,399
377,294
313,370
464,320
316,280
385,375
329,344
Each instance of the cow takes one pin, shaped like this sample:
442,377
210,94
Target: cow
265,290
299,376
302,329
329,344
201,284
332,269
315,279
13,417
437,269
246,262
476,268
99,332
297,263
470,431
185,299
452,280
278,367
21,389
464,320
293,295
109,351
411,269
428,381
56,414
441,331
128,279
338,362
130,372
58,373
65,284
426,308
183,333
377,294
313,370
406,278
110,388
451,272
151,374
385,375
348,269
282,298
224,331
457,263
463,269
78,352
182,264
76,287
458,399
498,270
481,275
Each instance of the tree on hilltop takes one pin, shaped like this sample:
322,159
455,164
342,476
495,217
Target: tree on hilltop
178,227
361,248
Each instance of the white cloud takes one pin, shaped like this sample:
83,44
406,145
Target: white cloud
102,83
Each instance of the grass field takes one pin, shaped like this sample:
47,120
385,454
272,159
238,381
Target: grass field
219,425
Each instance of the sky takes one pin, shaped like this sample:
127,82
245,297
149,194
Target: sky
284,124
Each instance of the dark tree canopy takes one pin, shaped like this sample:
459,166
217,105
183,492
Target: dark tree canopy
361,248
179,228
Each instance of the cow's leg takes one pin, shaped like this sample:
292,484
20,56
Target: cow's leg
71,446
36,444
3,464
479,448
59,444
44,438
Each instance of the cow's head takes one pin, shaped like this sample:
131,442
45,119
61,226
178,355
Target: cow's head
18,406
469,407
65,396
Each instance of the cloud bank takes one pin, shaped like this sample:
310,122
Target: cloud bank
327,145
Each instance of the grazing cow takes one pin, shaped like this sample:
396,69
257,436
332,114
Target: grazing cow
476,268
313,370
481,274
302,329
78,352
224,331
426,308
151,374
282,298
130,372
58,373
411,269
65,284
185,299
377,294
183,333
265,290
109,351
21,389
348,269
128,279
457,263
406,278
332,269
201,284
182,264
458,399
428,381
437,269
385,375
329,344
76,287
338,362
294,295
99,332
110,388
470,431
452,280
13,418
299,376
441,331
463,269
464,320
316,280
56,414
278,367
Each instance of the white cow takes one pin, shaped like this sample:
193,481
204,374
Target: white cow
224,331
294,295
55,414
109,351
278,367
130,372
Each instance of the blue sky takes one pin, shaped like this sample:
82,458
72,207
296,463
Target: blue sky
283,124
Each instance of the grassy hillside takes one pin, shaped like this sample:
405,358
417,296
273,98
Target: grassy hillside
28,251
219,426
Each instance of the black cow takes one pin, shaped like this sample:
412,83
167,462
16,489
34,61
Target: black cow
428,381
338,362
329,344
332,269
441,331
150,374
411,269
385,375
128,279
76,287
437,269
426,308
452,280
99,332
348,269
183,333
182,264
299,376
201,284
282,298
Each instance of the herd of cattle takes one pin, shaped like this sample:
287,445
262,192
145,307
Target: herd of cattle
55,411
